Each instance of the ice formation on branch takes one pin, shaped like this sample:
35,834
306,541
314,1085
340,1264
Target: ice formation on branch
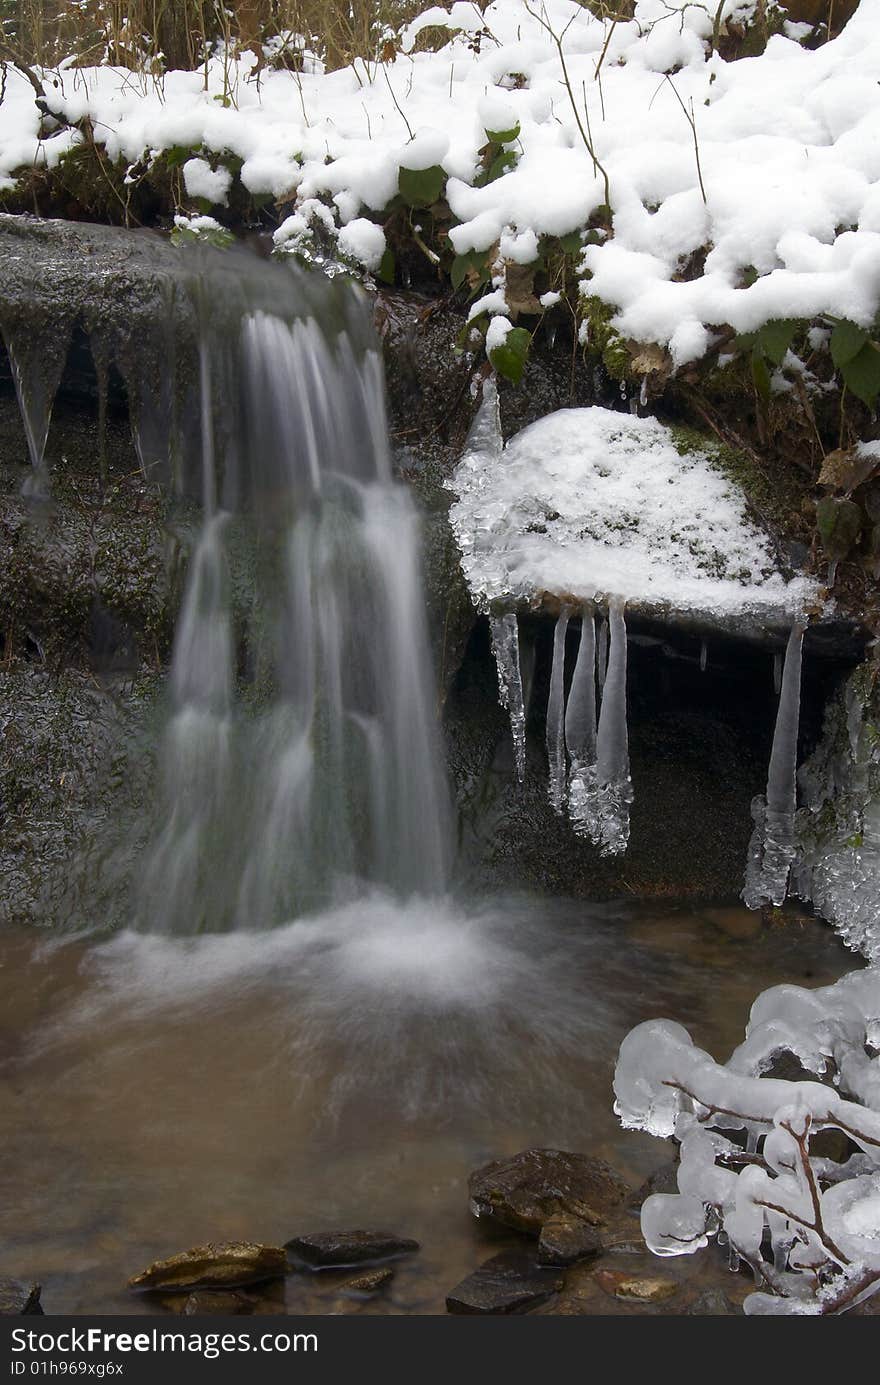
807,1224
772,846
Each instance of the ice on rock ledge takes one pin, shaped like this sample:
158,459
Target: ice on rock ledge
589,503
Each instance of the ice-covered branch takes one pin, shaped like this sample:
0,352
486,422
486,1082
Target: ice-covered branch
808,1226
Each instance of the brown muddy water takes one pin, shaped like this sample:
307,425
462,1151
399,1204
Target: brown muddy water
346,1071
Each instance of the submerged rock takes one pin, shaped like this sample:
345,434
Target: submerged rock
370,1281
217,1265
528,1190
17,1298
508,1283
325,1249
642,1288
564,1240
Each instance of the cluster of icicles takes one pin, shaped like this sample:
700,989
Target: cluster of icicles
587,744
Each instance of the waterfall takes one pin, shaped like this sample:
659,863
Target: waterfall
300,760
772,847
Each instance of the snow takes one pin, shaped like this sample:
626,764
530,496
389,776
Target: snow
363,241
587,504
201,180
788,144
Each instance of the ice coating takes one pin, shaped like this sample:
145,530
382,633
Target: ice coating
772,845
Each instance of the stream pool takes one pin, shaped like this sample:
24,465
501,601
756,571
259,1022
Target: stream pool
349,1070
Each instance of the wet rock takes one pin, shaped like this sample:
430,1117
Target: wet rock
526,1191
17,1298
369,1281
220,1265
211,1301
324,1249
712,1303
508,1283
641,1288
564,1240
662,1180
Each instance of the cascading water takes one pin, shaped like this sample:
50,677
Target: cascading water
291,783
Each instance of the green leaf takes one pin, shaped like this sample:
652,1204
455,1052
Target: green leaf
503,136
386,266
421,187
499,165
473,261
847,340
509,359
760,373
177,156
861,374
775,337
839,523
572,244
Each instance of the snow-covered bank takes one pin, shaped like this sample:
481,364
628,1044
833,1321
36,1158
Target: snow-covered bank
740,192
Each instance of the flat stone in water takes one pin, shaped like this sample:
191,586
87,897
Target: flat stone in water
564,1240
642,1288
508,1283
325,1249
17,1298
526,1191
220,1265
369,1281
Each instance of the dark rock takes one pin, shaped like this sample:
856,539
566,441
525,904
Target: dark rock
526,1191
564,1240
713,1303
17,1298
221,1265
662,1180
324,1249
508,1283
369,1281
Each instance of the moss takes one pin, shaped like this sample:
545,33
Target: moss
774,495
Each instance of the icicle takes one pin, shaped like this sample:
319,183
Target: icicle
485,431
580,725
556,714
505,647
580,714
777,673
602,653
37,366
602,809
643,393
704,656
771,849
